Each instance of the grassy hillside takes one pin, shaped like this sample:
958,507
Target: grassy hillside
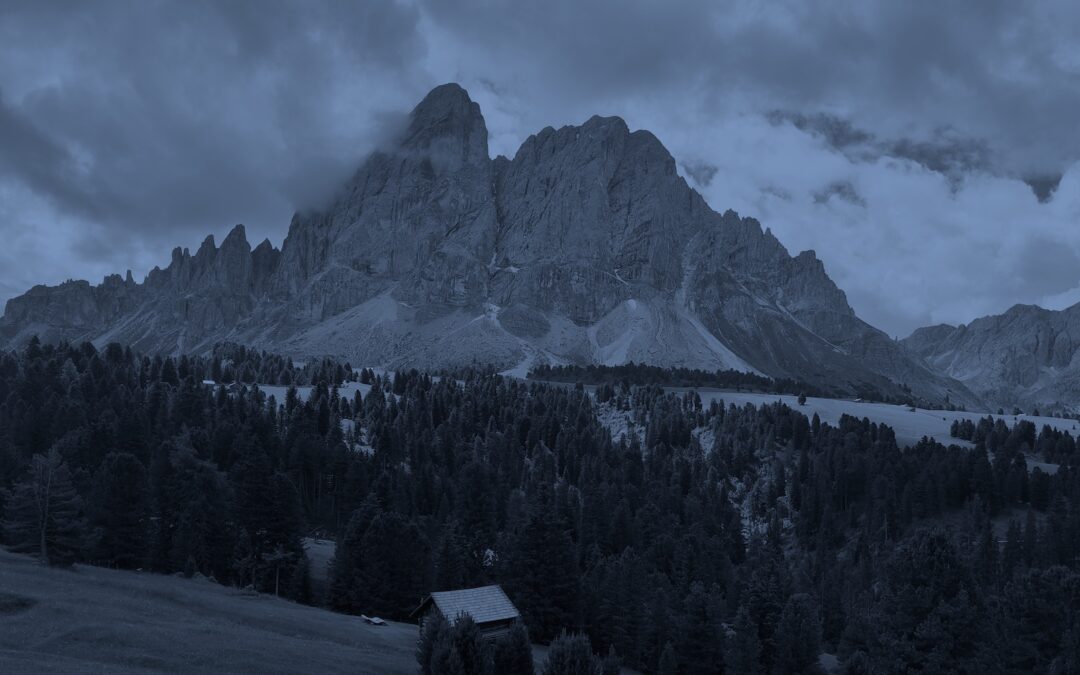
909,426
93,620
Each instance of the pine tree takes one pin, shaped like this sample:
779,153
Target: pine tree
162,508
199,520
1031,538
267,510
572,655
434,629
119,512
381,566
926,615
299,584
473,649
612,664
669,664
701,639
545,575
765,594
44,514
396,565
986,556
744,649
798,637
348,591
455,649
513,652
1012,554
454,567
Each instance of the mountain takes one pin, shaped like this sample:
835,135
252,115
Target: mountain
585,247
1028,356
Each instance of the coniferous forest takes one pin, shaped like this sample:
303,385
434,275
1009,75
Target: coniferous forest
675,537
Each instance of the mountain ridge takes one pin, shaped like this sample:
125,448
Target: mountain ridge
586,246
1027,355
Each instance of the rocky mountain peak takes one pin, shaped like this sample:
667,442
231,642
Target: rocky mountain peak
586,246
449,126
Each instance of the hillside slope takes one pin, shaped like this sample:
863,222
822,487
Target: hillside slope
93,620
585,247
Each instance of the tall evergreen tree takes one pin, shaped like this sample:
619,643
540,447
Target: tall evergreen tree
701,638
744,649
382,567
513,652
669,662
119,512
798,637
43,513
545,575
200,538
434,630
572,655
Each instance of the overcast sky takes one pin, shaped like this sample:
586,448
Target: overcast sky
928,151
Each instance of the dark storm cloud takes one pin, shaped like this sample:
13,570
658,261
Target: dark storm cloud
1044,186
148,119
992,69
835,131
839,190
702,172
32,156
945,150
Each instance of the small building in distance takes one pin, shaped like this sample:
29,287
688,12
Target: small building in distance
488,606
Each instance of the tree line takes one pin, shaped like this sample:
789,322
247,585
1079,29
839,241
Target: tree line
639,374
705,539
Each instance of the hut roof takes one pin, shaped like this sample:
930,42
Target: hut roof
483,604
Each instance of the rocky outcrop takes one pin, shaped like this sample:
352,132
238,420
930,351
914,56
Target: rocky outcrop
586,246
1026,357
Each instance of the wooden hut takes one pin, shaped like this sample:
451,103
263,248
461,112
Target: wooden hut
488,606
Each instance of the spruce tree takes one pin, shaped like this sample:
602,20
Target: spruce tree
434,628
669,664
199,519
572,655
119,512
43,513
545,574
612,664
798,635
473,649
701,639
744,648
513,652
348,591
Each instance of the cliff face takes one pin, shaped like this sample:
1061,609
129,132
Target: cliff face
1027,356
586,246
